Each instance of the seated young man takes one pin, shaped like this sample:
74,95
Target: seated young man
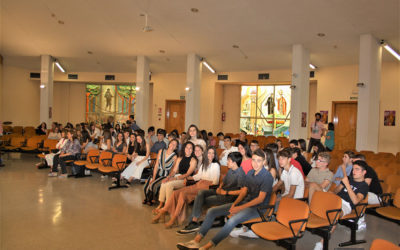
293,143
352,190
223,158
160,143
291,182
305,165
232,183
320,177
255,193
254,145
345,167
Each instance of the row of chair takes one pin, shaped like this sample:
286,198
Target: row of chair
20,130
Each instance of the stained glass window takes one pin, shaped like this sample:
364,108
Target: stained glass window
265,110
103,101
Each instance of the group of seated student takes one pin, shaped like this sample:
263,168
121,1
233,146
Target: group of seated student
193,174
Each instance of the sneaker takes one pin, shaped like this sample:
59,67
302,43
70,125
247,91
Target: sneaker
318,246
190,228
237,231
188,245
249,234
362,226
63,176
52,174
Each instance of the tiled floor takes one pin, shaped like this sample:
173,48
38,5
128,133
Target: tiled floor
37,212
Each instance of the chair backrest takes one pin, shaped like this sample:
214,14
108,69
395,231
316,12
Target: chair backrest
322,202
290,209
17,140
383,172
219,151
379,244
105,155
18,130
92,153
50,144
393,181
119,161
396,200
33,141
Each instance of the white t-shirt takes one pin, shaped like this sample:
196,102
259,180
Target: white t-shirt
221,144
293,177
225,153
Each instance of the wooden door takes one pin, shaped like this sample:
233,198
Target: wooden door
344,117
175,115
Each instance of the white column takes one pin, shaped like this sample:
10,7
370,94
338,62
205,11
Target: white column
193,81
46,89
143,93
369,74
300,91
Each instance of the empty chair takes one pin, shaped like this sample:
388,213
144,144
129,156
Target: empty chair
393,181
48,146
116,168
325,211
32,144
379,244
392,212
291,222
105,158
383,172
16,143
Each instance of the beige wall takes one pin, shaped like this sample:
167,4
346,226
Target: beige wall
20,97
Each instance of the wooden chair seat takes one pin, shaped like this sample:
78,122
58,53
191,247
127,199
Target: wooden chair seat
379,244
93,166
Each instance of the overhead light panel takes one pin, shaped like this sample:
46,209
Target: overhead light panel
208,67
312,66
59,66
390,50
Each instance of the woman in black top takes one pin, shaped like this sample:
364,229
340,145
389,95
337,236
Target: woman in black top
131,147
41,129
184,167
119,145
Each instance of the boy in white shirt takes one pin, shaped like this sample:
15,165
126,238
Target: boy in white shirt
223,158
291,181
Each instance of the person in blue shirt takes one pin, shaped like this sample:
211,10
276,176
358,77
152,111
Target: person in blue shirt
255,194
347,166
330,137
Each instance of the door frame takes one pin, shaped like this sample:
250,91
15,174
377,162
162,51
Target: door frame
172,101
340,102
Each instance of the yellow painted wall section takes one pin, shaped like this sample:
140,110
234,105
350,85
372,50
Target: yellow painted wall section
20,97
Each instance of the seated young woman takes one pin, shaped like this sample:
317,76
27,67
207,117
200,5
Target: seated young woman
140,155
54,134
119,145
68,152
106,142
131,148
207,176
87,142
164,163
50,156
184,167
245,151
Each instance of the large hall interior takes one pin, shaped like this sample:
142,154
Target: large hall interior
256,71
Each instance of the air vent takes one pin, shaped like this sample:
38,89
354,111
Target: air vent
222,77
312,73
73,76
263,76
109,77
34,75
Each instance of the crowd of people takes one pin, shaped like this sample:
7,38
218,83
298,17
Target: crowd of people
188,169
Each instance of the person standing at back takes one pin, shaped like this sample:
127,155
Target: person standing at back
317,130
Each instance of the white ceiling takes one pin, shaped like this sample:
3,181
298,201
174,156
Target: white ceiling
265,30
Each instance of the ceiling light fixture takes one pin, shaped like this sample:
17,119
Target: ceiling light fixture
59,66
312,66
390,49
42,86
147,28
208,66
137,88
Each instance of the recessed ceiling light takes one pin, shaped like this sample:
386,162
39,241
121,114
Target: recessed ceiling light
60,22
194,10
235,46
162,51
321,34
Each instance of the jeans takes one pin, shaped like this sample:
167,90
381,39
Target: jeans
223,210
209,197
